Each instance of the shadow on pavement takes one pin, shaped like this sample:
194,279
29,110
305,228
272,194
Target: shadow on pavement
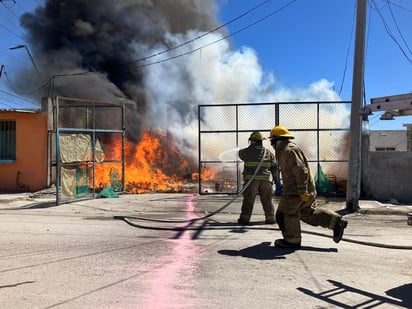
402,293
33,206
266,251
40,205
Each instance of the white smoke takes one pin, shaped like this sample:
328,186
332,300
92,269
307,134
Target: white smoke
218,74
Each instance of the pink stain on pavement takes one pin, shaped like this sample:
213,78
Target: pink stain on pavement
172,283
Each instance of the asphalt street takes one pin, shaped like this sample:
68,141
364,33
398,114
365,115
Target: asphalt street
187,251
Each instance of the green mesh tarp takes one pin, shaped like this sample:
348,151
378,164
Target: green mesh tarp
108,192
323,184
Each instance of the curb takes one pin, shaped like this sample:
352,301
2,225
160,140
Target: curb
385,211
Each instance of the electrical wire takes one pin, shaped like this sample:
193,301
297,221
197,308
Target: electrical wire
400,6
43,86
23,99
221,39
389,32
9,21
397,27
347,51
132,66
12,32
19,6
200,36
4,3
9,8
366,50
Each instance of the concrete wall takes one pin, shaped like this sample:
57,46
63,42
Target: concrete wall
387,175
29,171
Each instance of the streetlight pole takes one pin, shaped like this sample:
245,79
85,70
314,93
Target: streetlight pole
28,52
355,166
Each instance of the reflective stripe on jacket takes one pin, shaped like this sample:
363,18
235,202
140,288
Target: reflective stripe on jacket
252,156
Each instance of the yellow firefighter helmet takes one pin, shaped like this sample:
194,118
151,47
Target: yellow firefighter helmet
256,136
280,131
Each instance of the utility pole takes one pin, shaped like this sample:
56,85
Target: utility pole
355,164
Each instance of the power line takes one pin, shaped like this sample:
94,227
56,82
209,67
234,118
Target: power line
389,32
221,39
18,97
8,20
397,27
131,66
12,32
4,3
200,36
19,6
29,92
348,51
399,6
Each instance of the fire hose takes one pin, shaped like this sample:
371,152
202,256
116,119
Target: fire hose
212,213
127,220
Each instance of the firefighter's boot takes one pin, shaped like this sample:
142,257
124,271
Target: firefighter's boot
338,229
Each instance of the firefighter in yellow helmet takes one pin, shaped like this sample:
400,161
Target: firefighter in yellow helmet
298,200
262,181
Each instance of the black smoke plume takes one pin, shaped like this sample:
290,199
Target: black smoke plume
106,38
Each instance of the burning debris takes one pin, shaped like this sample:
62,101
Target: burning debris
154,164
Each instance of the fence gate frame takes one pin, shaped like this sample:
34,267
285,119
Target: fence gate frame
279,111
81,117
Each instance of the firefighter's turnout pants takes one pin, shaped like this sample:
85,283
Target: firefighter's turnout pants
264,188
291,210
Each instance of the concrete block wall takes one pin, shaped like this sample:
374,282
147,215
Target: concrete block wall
387,175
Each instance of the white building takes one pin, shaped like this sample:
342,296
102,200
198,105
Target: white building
391,140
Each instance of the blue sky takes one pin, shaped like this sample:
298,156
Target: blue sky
311,40
12,35
302,43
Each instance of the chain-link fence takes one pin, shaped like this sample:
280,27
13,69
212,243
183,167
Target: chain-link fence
88,148
321,129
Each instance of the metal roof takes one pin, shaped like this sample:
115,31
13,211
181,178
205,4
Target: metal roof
15,110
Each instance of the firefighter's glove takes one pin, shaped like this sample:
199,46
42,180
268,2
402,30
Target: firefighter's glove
305,197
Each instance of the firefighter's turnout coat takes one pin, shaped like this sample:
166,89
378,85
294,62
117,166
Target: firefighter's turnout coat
296,181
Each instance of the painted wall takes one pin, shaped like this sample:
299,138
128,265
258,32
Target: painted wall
387,175
31,153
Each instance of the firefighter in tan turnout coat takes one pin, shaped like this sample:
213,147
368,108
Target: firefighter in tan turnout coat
298,200
262,181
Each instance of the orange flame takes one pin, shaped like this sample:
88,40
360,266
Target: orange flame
154,164
207,174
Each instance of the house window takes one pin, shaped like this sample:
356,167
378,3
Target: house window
7,140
